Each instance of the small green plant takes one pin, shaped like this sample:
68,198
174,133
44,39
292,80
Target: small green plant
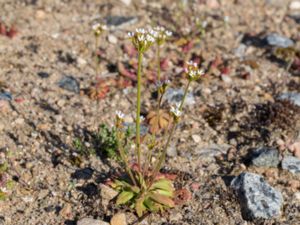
5,183
106,140
143,187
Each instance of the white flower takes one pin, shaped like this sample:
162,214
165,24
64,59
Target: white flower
176,110
142,118
120,115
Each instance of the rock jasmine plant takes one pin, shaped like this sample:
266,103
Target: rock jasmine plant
144,188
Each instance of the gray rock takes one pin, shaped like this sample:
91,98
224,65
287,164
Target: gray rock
293,97
5,96
172,151
279,41
240,50
120,21
257,198
208,153
266,157
174,96
291,164
91,221
69,83
132,127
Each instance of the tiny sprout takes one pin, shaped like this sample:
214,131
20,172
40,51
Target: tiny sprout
141,39
193,72
98,29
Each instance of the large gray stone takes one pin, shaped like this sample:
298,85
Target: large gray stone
257,198
291,164
265,157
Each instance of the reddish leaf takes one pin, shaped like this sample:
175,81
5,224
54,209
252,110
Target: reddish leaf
130,50
182,196
12,32
164,63
125,72
2,29
188,46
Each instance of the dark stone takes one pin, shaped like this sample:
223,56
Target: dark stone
69,83
43,74
118,21
5,96
84,174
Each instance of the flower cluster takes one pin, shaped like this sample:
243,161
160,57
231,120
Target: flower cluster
162,86
192,71
141,39
98,29
176,112
160,34
119,115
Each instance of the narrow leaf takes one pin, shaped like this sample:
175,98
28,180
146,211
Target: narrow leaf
140,207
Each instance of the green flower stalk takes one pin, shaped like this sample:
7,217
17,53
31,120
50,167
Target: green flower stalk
142,41
98,29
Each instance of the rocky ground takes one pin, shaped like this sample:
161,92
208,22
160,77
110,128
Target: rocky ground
236,152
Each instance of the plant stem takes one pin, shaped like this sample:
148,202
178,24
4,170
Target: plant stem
184,95
124,159
138,110
96,56
164,151
158,62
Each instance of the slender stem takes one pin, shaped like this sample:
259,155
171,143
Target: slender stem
164,151
158,61
96,56
124,159
184,95
138,110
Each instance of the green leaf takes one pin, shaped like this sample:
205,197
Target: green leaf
152,206
140,207
162,199
2,195
168,193
124,197
163,184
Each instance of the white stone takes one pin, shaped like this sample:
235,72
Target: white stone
126,2
91,221
112,39
196,138
295,5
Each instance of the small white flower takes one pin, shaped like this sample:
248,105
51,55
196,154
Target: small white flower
176,110
142,118
158,84
130,34
168,33
204,24
120,115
